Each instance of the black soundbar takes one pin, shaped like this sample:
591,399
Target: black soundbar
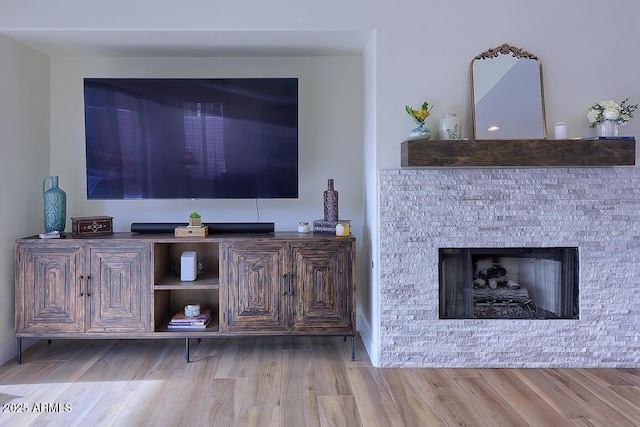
214,227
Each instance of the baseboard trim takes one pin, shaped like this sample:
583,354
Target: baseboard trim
367,339
9,349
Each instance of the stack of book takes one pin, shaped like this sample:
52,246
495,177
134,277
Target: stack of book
180,321
322,226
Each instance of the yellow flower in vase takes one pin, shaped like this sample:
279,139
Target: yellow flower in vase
419,115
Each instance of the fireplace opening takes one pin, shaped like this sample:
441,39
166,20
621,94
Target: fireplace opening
508,283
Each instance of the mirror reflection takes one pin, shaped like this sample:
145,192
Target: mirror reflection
507,95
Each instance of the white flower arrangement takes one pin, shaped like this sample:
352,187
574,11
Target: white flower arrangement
610,110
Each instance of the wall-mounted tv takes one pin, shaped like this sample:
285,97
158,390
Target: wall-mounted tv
150,138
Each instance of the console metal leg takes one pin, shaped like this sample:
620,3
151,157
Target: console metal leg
186,349
353,348
19,351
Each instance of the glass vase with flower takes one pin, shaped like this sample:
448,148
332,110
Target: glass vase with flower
419,115
606,116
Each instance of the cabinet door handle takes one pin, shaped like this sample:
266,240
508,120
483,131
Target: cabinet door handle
88,286
81,278
284,284
291,284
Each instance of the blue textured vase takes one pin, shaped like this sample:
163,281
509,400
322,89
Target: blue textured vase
420,132
55,206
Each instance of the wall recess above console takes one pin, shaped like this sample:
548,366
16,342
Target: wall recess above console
520,153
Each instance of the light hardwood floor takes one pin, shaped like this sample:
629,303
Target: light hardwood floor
294,382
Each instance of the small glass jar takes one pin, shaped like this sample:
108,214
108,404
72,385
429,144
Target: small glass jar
343,229
608,129
192,310
449,127
303,227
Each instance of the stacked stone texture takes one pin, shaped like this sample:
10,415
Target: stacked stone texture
594,209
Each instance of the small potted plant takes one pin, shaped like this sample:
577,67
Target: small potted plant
195,220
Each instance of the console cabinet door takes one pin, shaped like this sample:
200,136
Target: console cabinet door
252,281
119,286
49,287
323,290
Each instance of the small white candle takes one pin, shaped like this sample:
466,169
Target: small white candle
560,131
303,227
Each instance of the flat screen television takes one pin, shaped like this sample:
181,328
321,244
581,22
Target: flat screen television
149,138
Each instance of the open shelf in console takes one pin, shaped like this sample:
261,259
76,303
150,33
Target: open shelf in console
204,281
170,294
213,326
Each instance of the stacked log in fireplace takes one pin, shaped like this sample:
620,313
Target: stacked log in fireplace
496,296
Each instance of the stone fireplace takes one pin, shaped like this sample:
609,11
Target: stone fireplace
593,212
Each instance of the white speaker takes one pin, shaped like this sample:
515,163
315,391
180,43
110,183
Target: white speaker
188,266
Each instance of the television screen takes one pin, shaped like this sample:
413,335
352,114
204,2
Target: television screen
191,138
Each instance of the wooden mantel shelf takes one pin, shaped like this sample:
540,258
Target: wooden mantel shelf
530,152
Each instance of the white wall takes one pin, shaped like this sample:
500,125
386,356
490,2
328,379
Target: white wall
224,15
24,138
368,305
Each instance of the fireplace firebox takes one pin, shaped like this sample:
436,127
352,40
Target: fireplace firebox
509,283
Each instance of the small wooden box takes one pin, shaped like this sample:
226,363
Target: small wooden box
187,231
91,225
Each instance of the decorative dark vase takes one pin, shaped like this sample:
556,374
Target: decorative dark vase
55,206
330,203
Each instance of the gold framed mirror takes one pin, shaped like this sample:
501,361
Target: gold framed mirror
507,95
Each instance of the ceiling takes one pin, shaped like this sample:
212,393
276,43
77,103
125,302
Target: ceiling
168,43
